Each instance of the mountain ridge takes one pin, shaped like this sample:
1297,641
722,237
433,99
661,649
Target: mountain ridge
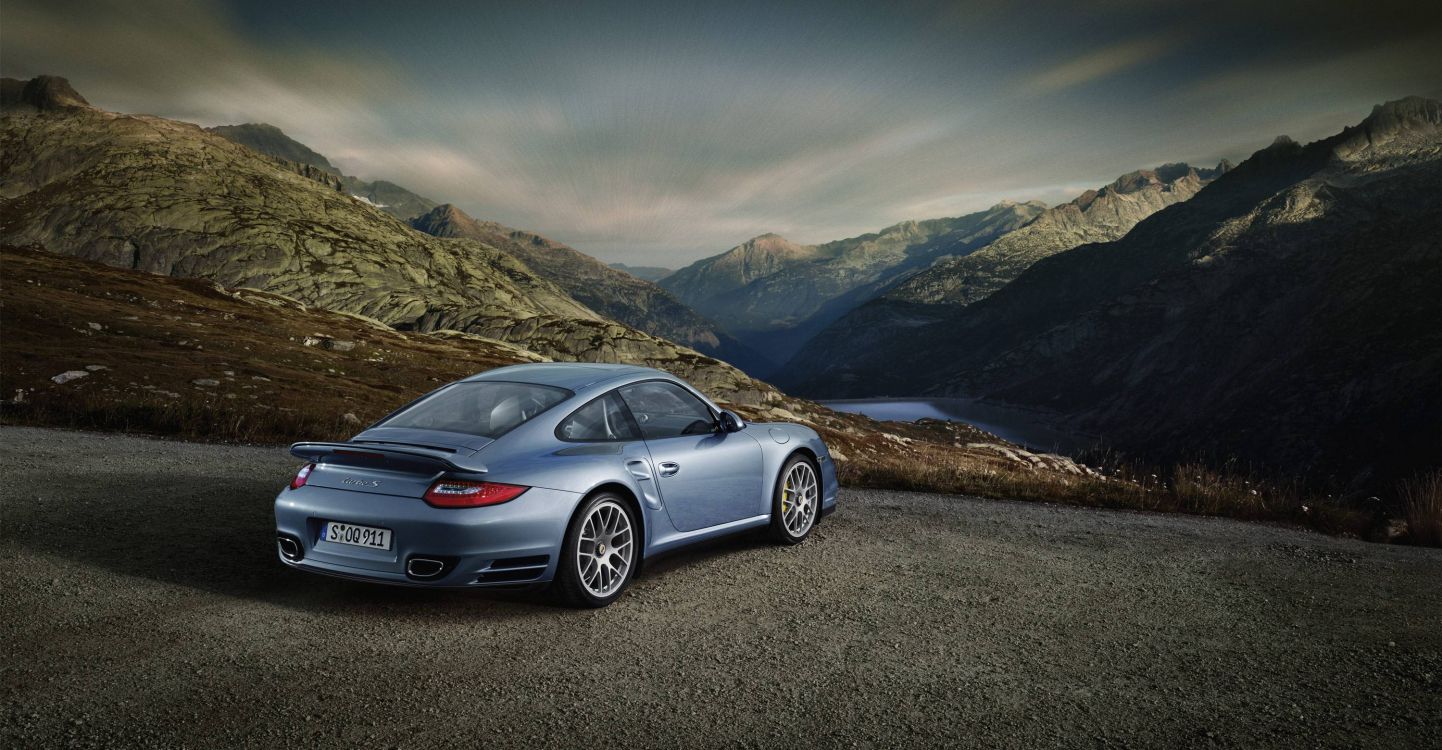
615,294
1286,314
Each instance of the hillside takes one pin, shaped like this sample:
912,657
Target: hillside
272,141
646,273
774,294
1100,215
90,345
612,293
1288,314
168,197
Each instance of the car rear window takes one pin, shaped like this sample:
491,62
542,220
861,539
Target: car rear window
485,408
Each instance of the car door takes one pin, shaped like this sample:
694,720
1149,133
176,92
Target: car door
706,477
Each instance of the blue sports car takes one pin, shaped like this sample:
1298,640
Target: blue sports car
572,474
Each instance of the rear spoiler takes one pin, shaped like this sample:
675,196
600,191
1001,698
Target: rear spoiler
364,453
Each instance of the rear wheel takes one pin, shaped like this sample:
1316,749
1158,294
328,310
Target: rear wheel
599,553
795,501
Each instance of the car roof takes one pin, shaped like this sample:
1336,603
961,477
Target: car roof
573,376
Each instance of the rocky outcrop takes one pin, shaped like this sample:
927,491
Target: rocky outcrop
272,141
40,94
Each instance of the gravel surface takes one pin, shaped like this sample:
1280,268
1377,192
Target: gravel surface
143,606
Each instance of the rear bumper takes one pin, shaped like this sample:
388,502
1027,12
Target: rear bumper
514,543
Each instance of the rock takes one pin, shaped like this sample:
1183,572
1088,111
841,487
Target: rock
69,375
336,345
350,418
205,382
19,396
95,326
96,368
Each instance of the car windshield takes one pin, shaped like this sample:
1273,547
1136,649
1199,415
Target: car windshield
486,408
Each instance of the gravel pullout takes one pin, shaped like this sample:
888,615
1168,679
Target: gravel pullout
144,606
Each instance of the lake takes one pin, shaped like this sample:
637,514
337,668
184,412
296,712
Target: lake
1033,429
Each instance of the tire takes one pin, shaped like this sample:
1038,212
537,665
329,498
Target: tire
585,579
787,527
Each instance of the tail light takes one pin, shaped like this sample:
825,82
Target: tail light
301,476
453,493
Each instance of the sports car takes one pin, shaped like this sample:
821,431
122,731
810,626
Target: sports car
572,475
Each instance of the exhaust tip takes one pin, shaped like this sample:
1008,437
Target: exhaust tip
289,547
424,567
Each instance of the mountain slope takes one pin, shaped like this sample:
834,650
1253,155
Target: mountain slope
776,293
652,274
1289,314
615,294
168,197
1094,216
272,141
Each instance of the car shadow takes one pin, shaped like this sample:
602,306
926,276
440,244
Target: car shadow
216,533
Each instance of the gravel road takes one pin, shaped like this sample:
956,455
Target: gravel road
143,606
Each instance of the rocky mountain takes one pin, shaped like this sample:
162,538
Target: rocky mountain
168,197
615,294
774,294
39,94
272,141
1099,215
1289,314
645,273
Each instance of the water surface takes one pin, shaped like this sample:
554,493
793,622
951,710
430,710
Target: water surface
1033,429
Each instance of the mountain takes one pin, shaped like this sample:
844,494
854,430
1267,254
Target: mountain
615,294
1289,314
272,141
1100,215
151,194
774,294
40,94
645,273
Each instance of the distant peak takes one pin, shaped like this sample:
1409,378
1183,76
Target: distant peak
43,93
1282,141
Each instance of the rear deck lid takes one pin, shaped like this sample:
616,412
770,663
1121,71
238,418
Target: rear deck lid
386,469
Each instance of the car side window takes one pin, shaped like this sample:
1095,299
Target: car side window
602,420
667,410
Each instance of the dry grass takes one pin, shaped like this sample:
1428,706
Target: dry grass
1190,489
266,379
1422,505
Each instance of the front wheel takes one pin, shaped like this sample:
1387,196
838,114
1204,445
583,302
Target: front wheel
795,502
599,553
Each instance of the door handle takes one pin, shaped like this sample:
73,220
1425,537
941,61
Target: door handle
668,468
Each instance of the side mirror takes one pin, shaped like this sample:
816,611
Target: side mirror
730,422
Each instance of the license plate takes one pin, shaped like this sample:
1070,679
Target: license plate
356,536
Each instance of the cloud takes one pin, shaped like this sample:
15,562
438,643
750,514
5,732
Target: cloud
1102,63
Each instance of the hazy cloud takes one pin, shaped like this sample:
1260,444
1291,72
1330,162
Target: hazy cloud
661,132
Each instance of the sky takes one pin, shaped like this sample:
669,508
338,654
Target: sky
660,133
